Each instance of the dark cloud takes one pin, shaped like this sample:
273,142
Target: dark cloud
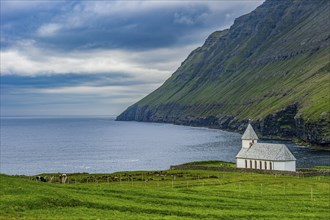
64,80
20,19
98,57
77,25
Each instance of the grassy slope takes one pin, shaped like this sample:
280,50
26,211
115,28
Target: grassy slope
223,71
262,95
209,195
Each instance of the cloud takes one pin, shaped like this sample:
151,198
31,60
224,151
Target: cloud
96,57
49,29
133,25
101,91
151,65
58,100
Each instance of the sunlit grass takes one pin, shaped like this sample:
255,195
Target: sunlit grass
166,195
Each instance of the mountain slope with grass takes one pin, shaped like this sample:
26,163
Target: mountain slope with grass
271,66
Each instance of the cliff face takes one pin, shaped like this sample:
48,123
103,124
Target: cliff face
271,66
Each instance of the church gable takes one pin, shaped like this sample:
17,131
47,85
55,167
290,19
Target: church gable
249,134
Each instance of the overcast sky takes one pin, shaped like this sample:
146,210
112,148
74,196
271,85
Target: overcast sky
99,57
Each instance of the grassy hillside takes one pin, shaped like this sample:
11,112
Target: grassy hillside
166,195
271,64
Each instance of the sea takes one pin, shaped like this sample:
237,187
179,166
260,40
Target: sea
57,144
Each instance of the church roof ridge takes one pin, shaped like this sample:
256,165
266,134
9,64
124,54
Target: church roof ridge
267,151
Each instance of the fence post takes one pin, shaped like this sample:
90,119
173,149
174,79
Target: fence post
239,189
311,194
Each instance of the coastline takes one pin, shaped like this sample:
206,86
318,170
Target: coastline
238,130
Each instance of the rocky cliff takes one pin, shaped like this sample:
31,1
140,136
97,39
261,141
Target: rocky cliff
271,66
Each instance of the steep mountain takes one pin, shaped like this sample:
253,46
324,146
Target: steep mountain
271,66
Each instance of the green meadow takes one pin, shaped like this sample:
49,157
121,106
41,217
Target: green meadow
171,194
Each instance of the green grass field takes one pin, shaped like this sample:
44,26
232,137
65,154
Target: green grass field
213,163
172,194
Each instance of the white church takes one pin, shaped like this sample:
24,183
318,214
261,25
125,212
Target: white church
263,156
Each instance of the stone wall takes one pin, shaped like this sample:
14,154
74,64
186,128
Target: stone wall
299,172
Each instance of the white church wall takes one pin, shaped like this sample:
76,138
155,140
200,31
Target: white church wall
279,165
290,165
285,165
271,165
240,163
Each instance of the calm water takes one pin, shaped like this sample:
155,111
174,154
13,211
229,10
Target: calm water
102,145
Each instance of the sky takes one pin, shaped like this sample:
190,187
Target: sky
99,57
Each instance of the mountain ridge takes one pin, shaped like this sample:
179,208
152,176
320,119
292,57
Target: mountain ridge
271,66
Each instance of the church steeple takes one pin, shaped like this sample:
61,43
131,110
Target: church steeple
249,137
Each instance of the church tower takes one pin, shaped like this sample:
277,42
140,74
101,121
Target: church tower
249,137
